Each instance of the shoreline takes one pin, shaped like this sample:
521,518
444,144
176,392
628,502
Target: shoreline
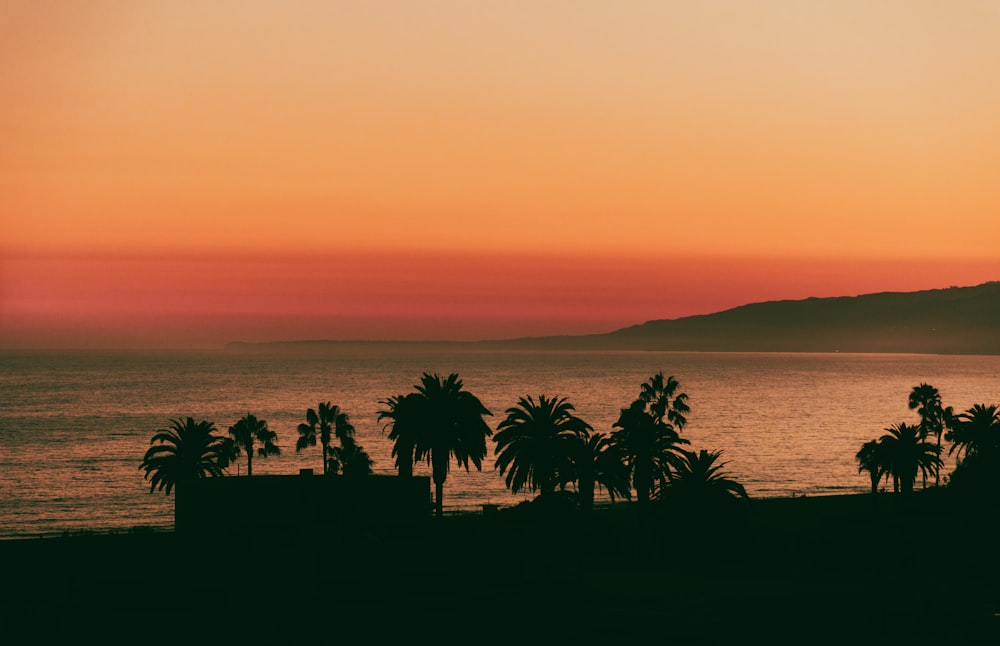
601,506
459,512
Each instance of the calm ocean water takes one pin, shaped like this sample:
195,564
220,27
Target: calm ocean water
74,426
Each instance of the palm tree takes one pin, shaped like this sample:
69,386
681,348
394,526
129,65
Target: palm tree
599,464
871,459
663,400
926,400
443,421
648,435
699,508
248,431
350,459
329,421
934,418
698,478
403,415
976,439
976,432
537,442
185,451
906,452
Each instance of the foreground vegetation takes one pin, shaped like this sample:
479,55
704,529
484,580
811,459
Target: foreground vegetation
911,449
540,446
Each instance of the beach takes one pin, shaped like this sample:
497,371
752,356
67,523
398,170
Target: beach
825,569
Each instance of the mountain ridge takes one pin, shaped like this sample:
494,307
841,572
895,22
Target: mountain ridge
952,320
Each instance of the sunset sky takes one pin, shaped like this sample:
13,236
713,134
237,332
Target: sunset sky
177,173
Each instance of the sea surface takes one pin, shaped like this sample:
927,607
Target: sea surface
74,425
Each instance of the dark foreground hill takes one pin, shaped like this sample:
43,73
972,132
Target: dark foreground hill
956,320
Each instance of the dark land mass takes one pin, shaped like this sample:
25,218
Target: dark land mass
840,569
956,320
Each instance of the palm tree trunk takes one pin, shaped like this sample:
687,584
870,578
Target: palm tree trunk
440,468
587,495
937,470
250,461
404,461
438,498
642,487
643,480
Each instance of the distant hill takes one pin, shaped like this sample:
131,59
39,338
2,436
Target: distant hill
956,320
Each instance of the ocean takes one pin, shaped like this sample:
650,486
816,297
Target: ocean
74,425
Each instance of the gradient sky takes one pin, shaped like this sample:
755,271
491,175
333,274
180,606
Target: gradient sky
180,173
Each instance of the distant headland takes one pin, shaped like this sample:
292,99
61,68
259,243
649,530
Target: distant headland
954,320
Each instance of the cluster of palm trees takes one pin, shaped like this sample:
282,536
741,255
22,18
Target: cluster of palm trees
540,446
907,450
326,422
187,449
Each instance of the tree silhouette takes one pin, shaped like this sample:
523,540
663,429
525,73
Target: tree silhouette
663,401
934,418
537,443
440,421
350,459
599,464
185,451
976,441
976,432
648,435
247,432
402,416
906,453
871,459
700,506
699,478
325,422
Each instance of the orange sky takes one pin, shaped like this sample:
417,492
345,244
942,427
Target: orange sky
186,173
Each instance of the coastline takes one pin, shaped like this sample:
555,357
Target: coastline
792,570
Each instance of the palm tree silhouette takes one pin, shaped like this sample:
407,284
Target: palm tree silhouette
648,435
699,478
350,459
440,420
976,440
976,432
906,453
185,451
328,421
402,416
537,443
698,510
600,464
663,400
871,458
247,432
934,418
